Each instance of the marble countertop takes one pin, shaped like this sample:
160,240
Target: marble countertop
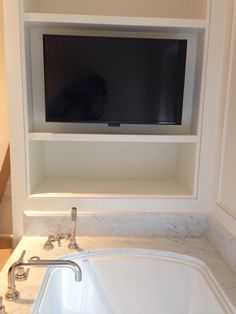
196,247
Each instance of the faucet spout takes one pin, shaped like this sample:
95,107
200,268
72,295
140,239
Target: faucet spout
12,294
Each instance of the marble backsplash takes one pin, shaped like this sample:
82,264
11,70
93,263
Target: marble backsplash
117,224
223,241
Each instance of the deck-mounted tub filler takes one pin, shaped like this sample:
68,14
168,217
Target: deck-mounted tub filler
132,281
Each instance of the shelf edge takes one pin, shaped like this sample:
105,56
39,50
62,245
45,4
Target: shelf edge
113,138
101,20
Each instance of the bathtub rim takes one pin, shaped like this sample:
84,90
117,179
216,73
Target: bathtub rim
179,258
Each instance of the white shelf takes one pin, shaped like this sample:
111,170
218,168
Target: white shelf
113,138
111,188
92,21
112,169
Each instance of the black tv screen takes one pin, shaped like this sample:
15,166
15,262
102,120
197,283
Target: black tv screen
114,80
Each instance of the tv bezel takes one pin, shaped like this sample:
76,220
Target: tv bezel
68,40
38,97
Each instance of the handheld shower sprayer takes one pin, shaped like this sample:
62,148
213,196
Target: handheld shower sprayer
73,245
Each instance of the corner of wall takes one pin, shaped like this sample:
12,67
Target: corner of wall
223,241
4,133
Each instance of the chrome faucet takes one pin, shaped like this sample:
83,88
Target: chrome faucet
12,294
73,245
51,238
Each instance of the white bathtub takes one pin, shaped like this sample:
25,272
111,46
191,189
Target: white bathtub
132,281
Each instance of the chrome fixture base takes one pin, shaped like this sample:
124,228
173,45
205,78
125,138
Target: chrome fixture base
48,246
12,294
73,245
51,238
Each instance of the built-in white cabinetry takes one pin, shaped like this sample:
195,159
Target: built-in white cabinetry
116,170
68,160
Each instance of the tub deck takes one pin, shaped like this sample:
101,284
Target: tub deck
196,247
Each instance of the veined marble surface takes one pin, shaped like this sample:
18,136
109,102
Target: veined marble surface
122,224
196,247
223,241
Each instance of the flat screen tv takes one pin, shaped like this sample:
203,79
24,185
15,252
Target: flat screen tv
114,80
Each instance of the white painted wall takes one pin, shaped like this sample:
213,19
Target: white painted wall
3,97
15,101
224,198
152,8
